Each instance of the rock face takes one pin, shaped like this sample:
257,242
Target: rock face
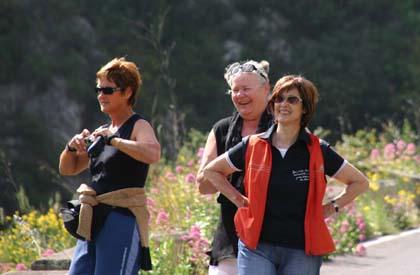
56,264
58,261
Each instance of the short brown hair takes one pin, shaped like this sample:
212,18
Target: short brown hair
124,74
307,91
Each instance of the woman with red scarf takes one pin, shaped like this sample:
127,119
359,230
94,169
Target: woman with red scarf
280,218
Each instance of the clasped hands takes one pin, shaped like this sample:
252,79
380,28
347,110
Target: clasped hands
78,142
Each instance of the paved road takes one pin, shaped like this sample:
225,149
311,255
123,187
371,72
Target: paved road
398,254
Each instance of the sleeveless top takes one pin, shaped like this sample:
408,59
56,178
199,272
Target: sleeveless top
112,169
228,133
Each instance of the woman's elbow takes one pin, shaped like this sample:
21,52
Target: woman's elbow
65,171
61,171
365,185
361,185
199,180
204,186
203,189
155,156
205,173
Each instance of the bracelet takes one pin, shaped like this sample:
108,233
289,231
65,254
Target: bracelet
109,138
70,149
335,205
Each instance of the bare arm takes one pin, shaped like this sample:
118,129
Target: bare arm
72,163
356,183
216,172
143,147
209,154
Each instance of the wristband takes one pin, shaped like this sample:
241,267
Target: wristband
335,205
70,149
109,138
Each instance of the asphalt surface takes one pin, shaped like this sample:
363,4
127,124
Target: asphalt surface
398,254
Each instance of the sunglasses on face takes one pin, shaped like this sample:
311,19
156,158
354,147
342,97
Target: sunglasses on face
289,99
244,68
106,90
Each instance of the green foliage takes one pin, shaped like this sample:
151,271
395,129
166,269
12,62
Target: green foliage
321,132
30,235
374,209
182,221
22,200
391,160
194,141
392,132
7,184
166,257
357,147
347,229
2,218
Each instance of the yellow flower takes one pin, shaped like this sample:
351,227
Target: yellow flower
374,177
402,193
374,186
390,200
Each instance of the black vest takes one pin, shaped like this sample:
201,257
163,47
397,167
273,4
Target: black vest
228,133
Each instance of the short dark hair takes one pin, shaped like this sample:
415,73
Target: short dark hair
123,73
307,91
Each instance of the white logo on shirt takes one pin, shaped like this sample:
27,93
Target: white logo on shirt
301,175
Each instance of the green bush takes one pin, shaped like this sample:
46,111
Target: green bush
31,235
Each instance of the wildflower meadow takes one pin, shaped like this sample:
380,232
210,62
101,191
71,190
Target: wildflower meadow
182,221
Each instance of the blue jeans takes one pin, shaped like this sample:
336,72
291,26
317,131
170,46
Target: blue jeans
270,259
115,250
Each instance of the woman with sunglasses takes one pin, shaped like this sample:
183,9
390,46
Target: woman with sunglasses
249,91
280,219
118,159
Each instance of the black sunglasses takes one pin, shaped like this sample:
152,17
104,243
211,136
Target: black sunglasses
245,67
106,90
289,99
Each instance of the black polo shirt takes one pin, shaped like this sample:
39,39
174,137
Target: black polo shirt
288,186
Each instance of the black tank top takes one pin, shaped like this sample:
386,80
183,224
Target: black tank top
228,133
112,169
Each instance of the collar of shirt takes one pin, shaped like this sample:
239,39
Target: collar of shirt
303,134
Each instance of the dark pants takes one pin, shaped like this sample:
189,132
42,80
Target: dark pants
114,251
